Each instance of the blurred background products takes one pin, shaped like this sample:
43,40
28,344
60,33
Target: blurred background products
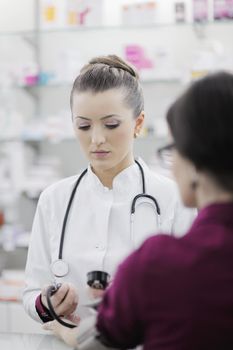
140,12
180,11
200,10
70,13
43,45
223,9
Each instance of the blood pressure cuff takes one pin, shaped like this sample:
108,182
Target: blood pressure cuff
88,337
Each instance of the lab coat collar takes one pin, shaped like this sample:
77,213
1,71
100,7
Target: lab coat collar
127,181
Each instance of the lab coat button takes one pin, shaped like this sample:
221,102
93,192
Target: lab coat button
100,247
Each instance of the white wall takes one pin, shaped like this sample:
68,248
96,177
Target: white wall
17,15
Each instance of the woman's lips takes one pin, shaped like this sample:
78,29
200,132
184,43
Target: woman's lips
100,154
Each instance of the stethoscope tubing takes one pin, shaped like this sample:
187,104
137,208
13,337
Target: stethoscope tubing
133,205
50,292
52,288
67,213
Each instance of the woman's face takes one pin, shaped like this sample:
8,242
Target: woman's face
183,171
105,127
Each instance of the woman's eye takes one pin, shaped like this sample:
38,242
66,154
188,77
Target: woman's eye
84,127
112,126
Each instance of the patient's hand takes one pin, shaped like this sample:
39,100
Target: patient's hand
94,293
68,335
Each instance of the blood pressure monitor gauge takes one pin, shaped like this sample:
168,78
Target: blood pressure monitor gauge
98,279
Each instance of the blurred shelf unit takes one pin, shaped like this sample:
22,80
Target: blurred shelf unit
13,317
167,56
37,69
21,241
159,51
83,28
69,85
37,81
33,139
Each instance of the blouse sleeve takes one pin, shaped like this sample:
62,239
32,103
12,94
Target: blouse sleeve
118,318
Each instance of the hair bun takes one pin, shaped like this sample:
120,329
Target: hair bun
114,61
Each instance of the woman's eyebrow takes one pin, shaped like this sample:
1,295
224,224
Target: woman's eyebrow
105,117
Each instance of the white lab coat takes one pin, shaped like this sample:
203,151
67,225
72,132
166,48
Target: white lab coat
98,229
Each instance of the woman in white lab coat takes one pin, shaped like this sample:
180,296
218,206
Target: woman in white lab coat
107,114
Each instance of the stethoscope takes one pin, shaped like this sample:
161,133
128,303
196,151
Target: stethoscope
59,267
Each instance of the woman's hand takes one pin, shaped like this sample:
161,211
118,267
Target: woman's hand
64,301
68,335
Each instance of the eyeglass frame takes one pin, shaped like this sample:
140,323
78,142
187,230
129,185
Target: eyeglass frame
167,147
162,149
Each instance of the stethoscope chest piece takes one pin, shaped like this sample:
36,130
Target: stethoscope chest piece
59,268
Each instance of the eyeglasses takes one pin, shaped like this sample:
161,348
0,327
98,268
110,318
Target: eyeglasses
165,155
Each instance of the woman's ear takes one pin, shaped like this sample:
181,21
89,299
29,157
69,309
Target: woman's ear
139,123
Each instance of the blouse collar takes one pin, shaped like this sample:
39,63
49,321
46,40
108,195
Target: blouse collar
218,212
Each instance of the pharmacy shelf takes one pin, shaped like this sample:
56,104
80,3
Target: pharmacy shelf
35,139
46,43
69,84
44,138
114,27
22,241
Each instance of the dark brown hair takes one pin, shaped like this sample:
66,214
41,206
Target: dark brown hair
110,72
201,123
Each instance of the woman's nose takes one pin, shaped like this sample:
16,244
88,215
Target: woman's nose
97,136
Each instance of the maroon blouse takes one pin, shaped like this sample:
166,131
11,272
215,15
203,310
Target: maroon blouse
176,293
